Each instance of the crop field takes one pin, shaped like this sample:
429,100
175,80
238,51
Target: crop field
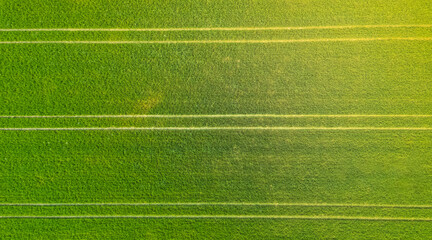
224,119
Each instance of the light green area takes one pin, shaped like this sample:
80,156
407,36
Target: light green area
222,166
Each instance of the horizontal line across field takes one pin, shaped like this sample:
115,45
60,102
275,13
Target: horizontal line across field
293,217
218,128
240,204
227,116
242,41
209,28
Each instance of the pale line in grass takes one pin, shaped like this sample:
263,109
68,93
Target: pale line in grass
226,116
209,28
287,217
233,204
312,40
218,128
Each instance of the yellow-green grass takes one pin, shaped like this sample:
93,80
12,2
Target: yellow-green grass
215,119
222,13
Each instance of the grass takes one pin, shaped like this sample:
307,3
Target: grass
192,13
390,77
212,229
372,173
217,166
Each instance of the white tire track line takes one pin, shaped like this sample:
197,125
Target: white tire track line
210,28
234,204
242,41
219,128
226,116
287,217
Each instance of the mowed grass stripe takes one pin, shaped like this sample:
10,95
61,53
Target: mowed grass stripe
218,128
226,116
332,205
311,40
287,217
209,28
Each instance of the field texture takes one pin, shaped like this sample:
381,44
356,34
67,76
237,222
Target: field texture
300,119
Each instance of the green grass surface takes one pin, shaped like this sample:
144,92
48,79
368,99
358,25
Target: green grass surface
392,77
379,176
217,166
211,229
192,13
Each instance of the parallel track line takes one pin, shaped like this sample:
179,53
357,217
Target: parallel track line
220,128
210,28
287,217
243,41
226,116
247,204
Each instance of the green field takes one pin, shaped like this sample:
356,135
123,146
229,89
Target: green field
223,119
